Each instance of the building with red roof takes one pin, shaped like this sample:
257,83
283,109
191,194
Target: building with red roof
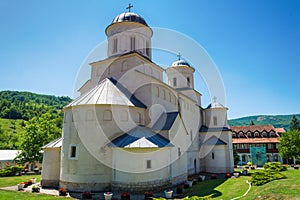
245,137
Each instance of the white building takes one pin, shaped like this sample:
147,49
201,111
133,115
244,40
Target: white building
7,158
128,130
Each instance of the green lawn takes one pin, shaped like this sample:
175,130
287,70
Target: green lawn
10,181
280,189
4,195
221,188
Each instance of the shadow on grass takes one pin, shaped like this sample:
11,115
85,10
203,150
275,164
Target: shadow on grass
205,188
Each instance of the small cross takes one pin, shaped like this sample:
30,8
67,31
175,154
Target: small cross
179,56
215,99
129,7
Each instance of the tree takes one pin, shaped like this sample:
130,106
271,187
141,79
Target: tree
294,124
251,123
290,145
38,132
236,157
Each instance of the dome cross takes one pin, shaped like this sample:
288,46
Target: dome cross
129,7
179,56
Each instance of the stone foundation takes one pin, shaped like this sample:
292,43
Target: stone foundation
49,183
179,179
141,187
82,187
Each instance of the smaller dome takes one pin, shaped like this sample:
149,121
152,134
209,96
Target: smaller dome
129,17
215,105
180,63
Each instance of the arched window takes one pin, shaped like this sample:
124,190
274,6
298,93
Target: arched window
107,115
188,81
156,91
115,45
212,155
124,66
170,97
174,82
148,48
139,118
215,119
132,43
163,94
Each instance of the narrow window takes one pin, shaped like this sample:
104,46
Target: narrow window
213,156
73,151
148,163
115,45
179,152
124,66
139,118
132,43
188,81
174,82
191,135
163,94
147,48
215,119
107,116
157,91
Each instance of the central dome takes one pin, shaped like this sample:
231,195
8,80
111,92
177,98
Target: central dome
129,17
180,62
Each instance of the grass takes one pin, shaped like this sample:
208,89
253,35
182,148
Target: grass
26,195
10,181
230,188
280,189
221,188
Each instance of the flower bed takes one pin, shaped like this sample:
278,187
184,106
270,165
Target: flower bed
87,195
148,195
62,192
125,196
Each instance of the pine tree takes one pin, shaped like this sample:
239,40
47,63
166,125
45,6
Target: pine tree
251,123
294,124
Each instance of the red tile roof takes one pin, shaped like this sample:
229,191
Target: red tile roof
280,130
253,128
254,140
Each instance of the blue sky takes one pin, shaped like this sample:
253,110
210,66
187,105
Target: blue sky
254,43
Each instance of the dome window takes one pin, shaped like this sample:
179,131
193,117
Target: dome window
188,81
115,45
132,43
174,82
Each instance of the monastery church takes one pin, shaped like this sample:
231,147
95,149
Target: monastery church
129,130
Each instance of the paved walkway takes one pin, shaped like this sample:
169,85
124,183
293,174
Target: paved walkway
98,196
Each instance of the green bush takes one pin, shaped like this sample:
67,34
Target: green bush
275,166
11,170
264,176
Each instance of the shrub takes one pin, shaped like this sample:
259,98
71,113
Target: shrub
35,188
275,166
264,176
11,171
